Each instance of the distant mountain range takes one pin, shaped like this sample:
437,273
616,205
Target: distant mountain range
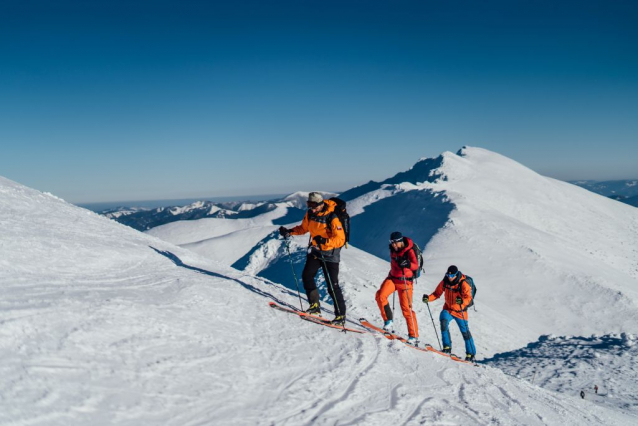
625,191
144,219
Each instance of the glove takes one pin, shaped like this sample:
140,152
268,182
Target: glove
426,298
404,263
320,240
459,301
284,232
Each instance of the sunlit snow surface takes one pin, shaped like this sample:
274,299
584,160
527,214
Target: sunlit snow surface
100,324
570,365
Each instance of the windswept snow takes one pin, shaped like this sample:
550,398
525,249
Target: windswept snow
101,324
570,365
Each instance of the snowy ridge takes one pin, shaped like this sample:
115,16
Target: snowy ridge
545,254
101,324
533,244
122,211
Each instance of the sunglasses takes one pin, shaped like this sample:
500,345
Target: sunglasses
396,241
452,275
312,204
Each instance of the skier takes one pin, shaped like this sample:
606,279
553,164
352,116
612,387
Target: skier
326,240
582,394
403,265
458,294
596,389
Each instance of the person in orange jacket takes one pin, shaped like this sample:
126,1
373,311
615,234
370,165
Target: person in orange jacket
403,266
458,295
327,237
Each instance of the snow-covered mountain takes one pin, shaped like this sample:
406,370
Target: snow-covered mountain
532,244
144,219
119,212
548,257
101,324
625,191
626,188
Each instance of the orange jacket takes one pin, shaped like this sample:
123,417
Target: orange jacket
464,291
317,224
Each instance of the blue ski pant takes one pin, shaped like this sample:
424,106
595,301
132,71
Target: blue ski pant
445,319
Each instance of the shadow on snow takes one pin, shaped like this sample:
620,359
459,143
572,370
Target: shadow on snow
178,262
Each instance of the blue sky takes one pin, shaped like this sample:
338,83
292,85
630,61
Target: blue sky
126,100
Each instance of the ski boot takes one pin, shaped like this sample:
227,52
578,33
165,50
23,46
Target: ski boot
388,327
413,341
470,358
339,320
314,309
447,350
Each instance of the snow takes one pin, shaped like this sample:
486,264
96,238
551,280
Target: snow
123,211
569,364
299,198
101,324
212,237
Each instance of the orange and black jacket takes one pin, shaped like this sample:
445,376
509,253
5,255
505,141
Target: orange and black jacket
461,289
324,223
397,273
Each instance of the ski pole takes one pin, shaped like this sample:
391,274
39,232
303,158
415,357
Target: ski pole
434,326
287,244
326,275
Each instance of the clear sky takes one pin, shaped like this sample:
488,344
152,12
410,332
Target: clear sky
127,100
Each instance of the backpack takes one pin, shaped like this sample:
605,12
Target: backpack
343,216
419,257
470,281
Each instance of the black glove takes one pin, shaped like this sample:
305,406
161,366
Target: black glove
426,298
320,240
284,232
459,301
404,263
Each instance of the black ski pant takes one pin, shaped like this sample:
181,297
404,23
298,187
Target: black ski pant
330,271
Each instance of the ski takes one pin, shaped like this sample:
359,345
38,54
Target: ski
391,336
313,318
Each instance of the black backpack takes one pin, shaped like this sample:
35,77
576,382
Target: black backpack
470,281
341,213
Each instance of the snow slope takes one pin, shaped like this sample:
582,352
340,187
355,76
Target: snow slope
210,236
100,324
548,257
571,364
